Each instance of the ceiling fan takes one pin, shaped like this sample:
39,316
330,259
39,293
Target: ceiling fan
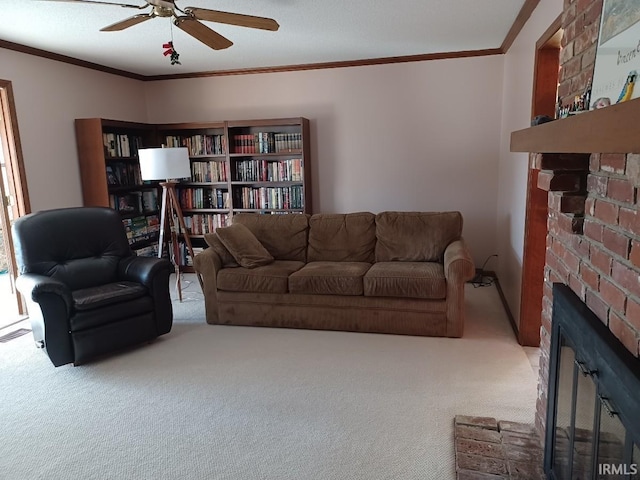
187,20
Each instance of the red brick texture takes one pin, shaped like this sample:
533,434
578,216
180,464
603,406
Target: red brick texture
600,261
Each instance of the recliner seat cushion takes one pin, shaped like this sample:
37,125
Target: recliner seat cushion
335,237
329,278
272,278
406,279
84,320
96,297
415,236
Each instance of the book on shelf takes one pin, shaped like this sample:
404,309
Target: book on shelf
149,200
148,251
266,142
211,171
141,228
123,174
121,145
199,144
197,198
126,203
262,170
282,198
200,224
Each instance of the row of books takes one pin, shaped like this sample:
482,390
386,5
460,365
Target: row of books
191,198
123,174
199,144
121,145
269,171
199,224
269,197
184,257
266,142
212,171
135,202
148,251
143,227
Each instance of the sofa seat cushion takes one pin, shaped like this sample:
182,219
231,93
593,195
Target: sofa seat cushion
272,278
329,278
97,297
406,279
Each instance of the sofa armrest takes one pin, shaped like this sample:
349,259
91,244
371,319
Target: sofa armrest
458,265
208,263
458,268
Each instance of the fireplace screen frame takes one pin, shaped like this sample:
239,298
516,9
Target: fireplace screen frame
601,356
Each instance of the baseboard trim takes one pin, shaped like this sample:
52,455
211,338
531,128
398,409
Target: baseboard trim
503,299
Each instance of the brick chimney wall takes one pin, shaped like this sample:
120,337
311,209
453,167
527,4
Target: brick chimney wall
593,241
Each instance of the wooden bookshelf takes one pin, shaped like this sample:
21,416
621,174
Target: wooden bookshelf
110,174
261,166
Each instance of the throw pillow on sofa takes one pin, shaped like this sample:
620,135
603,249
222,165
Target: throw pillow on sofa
217,246
244,246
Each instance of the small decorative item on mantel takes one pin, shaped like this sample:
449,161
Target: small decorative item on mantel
580,104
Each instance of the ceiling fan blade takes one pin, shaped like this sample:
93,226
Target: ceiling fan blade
126,5
129,22
233,18
203,33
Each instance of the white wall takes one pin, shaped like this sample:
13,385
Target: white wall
516,115
413,136
48,97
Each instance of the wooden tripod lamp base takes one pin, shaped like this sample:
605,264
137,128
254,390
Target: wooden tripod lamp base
163,164
172,220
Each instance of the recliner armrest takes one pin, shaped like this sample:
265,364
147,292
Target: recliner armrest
142,269
34,287
458,265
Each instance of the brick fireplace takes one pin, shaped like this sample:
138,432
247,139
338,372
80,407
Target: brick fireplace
590,167
593,241
593,245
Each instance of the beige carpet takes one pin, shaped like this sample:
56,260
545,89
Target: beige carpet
216,402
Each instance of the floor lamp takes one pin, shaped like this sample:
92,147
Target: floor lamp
169,164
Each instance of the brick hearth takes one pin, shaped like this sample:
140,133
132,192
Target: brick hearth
489,449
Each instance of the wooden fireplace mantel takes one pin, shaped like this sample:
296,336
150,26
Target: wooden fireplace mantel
614,129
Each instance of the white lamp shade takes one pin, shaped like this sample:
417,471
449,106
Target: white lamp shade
164,163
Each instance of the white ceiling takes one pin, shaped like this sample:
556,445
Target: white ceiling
311,31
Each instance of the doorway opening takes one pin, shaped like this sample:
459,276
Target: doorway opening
14,203
545,95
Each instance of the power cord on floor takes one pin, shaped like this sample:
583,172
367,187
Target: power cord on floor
482,278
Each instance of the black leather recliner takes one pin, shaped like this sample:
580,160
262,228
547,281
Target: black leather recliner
87,293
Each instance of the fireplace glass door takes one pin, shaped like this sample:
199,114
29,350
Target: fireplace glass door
593,426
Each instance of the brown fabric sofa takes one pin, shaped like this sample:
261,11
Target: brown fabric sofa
394,272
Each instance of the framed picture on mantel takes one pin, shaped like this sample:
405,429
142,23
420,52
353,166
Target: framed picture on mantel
617,66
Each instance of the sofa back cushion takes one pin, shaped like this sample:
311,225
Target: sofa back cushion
415,236
284,236
336,237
